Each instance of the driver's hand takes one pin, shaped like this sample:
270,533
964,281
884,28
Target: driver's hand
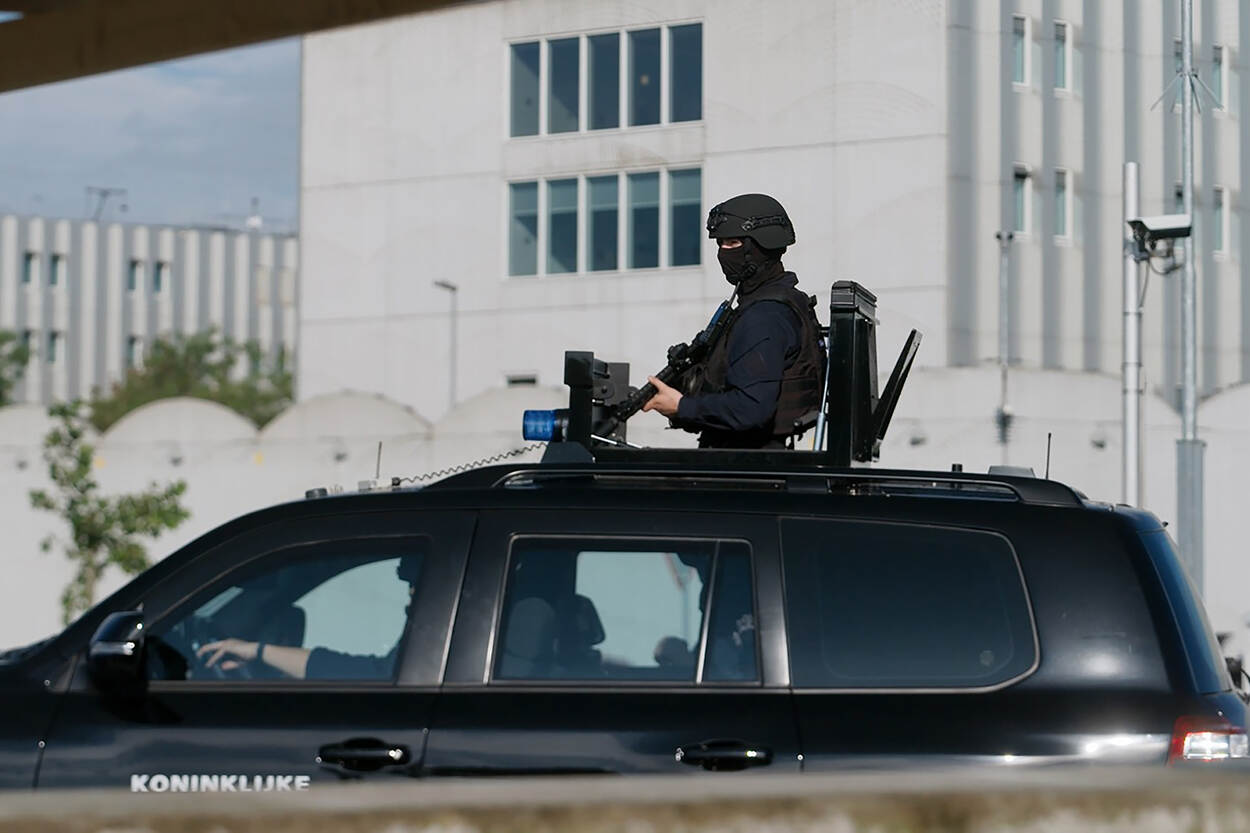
231,653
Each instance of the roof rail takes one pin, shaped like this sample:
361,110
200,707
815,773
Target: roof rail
780,470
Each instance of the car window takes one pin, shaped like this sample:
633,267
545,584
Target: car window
1202,650
612,609
873,605
343,614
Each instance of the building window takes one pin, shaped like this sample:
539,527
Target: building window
685,212
521,380
1217,75
28,339
605,80
523,228
1019,49
525,89
602,215
54,343
561,226
1062,203
30,267
56,270
1063,55
1178,199
1022,192
1178,56
685,55
555,223
134,275
133,348
562,85
644,77
559,74
643,240
1219,222
160,274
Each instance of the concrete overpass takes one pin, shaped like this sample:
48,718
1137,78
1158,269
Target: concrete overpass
56,40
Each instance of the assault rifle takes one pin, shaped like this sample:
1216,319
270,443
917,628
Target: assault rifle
681,357
600,397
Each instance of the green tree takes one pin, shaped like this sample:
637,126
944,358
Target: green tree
205,366
13,358
103,531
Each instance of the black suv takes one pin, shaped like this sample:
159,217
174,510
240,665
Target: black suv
635,616
616,610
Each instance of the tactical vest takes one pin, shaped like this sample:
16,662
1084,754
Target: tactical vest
801,383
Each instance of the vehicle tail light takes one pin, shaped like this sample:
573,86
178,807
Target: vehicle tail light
1207,738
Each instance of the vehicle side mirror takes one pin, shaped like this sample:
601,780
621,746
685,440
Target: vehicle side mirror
115,656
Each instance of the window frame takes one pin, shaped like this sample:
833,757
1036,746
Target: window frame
624,62
1022,219
1067,28
664,256
472,650
1220,212
1026,38
930,690
1220,72
1065,236
436,604
698,682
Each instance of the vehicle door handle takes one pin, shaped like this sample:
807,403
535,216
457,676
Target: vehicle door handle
363,754
724,755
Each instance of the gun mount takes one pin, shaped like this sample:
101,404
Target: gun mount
849,427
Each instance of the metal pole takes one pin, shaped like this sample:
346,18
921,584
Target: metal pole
1004,246
1189,448
1131,370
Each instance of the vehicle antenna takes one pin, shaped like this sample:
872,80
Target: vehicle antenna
378,471
1048,434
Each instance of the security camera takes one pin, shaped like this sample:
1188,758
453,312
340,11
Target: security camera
1160,227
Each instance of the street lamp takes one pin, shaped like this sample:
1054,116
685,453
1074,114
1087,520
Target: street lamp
1002,417
455,292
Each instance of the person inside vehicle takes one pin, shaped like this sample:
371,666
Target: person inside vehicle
313,663
767,370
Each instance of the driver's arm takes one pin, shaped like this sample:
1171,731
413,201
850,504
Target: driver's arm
233,652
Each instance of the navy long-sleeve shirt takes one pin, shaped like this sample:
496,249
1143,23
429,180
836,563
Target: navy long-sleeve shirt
761,343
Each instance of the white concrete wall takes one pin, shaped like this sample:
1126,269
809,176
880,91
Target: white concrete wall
836,109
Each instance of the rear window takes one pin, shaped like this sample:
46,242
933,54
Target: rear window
1202,650
873,605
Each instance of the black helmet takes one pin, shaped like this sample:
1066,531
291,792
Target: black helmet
757,216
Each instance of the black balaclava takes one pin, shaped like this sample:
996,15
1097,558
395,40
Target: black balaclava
748,266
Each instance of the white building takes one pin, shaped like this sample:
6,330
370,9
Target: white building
553,159
89,297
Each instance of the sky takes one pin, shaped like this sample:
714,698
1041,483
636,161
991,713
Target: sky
192,141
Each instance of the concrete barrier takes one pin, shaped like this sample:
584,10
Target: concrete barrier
1030,801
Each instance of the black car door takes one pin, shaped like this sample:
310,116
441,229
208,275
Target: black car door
606,642
353,611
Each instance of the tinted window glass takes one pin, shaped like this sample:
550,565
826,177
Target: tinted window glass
524,89
603,200
686,62
625,610
324,617
562,90
644,221
605,81
561,226
1201,647
523,228
685,209
644,77
894,606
